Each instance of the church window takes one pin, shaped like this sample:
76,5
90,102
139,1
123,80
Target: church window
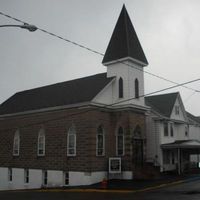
100,142
120,141
71,141
16,144
41,142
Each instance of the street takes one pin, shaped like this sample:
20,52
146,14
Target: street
184,191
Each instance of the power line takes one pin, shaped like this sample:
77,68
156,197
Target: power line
188,98
54,35
96,52
105,106
160,77
168,88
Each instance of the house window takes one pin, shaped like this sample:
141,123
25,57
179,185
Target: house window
171,129
71,141
66,178
121,88
41,142
45,177
136,88
166,129
10,174
26,176
16,144
176,110
186,131
100,142
120,141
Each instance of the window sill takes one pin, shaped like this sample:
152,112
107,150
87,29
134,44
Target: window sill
71,155
100,155
15,155
120,155
39,156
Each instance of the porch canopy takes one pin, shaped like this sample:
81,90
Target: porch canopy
193,146
183,147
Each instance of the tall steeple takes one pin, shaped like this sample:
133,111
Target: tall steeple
124,43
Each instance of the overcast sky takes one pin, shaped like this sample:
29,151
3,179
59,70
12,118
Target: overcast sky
169,32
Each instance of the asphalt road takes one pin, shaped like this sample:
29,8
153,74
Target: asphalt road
184,191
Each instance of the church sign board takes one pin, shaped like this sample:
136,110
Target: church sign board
114,165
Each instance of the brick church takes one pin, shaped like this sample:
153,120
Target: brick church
65,134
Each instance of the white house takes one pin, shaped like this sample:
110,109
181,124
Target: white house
173,134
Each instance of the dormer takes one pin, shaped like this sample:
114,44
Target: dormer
125,59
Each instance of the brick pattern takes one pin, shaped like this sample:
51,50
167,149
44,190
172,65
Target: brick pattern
56,139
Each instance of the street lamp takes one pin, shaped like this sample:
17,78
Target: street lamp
29,27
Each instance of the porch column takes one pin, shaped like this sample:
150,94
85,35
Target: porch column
179,160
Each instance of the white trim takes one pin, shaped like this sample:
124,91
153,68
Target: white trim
56,108
79,106
121,60
120,106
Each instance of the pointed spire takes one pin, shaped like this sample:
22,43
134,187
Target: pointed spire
124,42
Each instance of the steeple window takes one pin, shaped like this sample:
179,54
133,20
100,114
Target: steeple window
121,92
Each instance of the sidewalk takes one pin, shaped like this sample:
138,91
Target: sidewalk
140,185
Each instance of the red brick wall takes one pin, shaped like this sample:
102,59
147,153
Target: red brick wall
56,139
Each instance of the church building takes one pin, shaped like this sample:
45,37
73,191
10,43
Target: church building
66,134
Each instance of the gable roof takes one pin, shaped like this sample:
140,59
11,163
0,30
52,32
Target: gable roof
163,103
124,41
193,118
60,94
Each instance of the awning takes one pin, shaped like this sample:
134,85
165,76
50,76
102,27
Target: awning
182,144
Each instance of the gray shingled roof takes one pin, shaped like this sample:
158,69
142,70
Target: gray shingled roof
60,94
193,118
182,144
124,41
163,103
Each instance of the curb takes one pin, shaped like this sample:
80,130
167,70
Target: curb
81,190
112,190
